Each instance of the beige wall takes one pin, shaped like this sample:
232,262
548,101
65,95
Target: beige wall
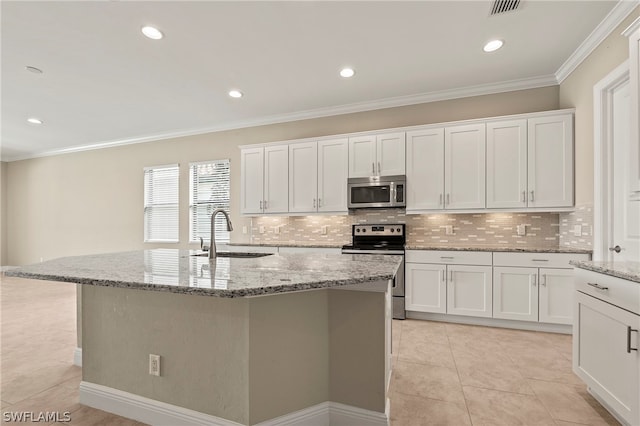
577,91
3,213
91,202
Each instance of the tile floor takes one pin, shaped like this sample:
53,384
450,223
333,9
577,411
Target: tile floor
444,374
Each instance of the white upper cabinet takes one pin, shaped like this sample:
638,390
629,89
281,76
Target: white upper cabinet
251,180
507,164
333,167
425,169
276,179
303,177
318,176
264,180
377,155
550,161
464,166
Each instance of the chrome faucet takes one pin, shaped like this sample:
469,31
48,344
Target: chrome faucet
212,245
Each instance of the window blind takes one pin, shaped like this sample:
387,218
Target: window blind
161,203
209,189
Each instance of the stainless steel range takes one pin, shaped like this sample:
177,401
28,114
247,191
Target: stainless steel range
387,239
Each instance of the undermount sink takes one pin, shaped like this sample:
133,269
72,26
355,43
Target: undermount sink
234,254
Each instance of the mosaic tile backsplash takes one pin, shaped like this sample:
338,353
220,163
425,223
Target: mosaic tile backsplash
500,229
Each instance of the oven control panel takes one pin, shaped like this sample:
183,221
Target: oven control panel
378,230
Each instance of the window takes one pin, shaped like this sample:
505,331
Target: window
161,204
209,189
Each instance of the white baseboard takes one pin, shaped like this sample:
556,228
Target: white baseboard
77,357
607,407
154,412
493,322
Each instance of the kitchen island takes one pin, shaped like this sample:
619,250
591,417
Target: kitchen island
297,337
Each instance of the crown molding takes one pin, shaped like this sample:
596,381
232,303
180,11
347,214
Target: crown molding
442,95
619,12
631,28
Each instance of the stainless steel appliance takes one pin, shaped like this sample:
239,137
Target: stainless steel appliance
377,191
387,239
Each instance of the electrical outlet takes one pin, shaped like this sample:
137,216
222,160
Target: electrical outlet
521,229
448,229
577,230
244,229
261,229
154,365
323,230
276,229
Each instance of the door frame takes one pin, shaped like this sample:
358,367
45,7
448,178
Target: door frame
603,159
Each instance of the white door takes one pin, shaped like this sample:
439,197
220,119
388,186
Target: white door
469,290
362,156
557,293
507,164
303,177
425,288
625,213
515,293
333,169
425,169
601,343
276,179
550,161
251,180
390,150
464,153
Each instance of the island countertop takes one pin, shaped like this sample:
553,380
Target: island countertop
178,271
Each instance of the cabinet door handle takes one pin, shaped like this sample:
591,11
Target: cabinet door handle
629,348
443,276
524,196
533,280
532,199
265,204
446,257
314,203
448,200
440,203
319,200
598,286
260,204
543,280
539,260
450,276
379,168
373,168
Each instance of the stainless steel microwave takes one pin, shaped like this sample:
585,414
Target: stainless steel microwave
377,191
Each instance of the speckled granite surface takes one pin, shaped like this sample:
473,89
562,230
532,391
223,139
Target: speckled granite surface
501,249
625,270
178,272
286,244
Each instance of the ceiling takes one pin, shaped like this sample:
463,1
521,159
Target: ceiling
104,83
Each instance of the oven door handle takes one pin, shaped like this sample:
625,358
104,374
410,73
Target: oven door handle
378,252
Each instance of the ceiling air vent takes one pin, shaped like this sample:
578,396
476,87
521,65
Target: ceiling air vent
502,6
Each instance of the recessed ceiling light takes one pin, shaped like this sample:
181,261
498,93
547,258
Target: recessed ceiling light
493,45
33,69
34,120
152,32
347,72
235,93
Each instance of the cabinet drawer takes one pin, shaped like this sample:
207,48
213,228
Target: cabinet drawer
537,260
454,257
618,292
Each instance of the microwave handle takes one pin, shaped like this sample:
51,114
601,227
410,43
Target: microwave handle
393,194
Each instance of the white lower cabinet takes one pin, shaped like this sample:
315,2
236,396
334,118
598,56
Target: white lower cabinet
448,287
469,290
426,287
605,345
533,294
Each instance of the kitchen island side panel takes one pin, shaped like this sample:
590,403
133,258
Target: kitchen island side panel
203,343
288,353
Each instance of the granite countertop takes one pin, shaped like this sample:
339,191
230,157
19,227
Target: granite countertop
499,249
286,244
625,270
178,271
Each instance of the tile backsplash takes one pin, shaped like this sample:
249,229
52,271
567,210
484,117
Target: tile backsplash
570,235
542,229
